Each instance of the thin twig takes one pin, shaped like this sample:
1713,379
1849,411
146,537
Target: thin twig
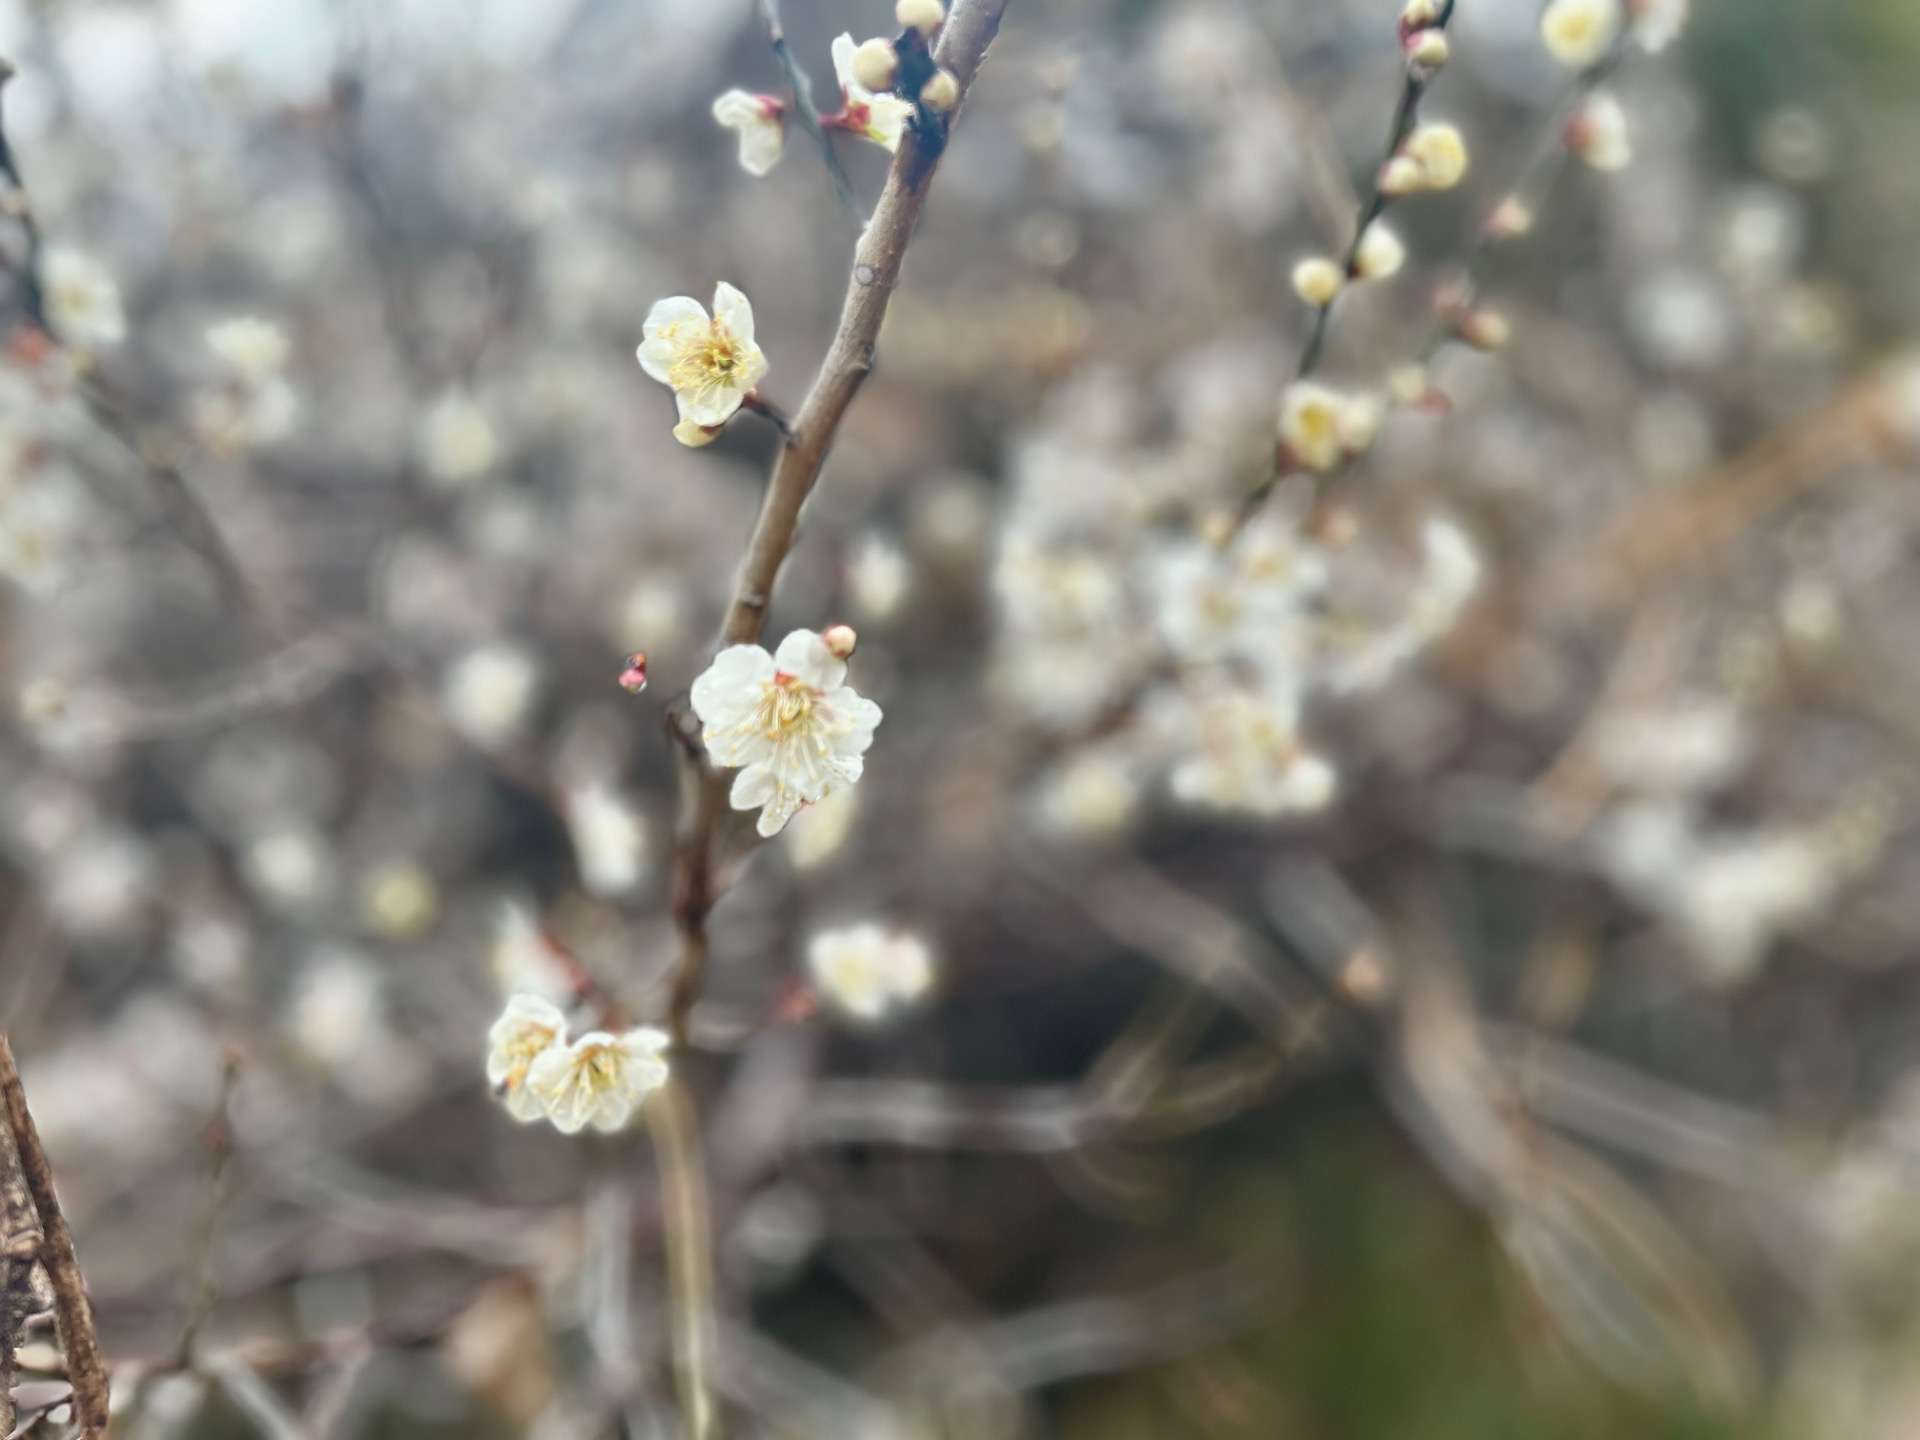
683,1194
877,259
805,112
73,1317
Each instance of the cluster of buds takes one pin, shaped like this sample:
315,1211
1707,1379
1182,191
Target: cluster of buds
1432,157
1321,428
1423,37
904,67
1472,324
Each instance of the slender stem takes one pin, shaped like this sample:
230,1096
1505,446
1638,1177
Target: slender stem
877,259
73,1316
804,110
683,1195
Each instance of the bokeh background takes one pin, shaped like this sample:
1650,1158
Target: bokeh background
1558,1080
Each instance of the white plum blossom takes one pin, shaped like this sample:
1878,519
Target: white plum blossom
879,118
598,1079
1353,656
761,122
252,404
1577,33
867,970
1656,24
789,722
489,692
609,839
252,347
1244,752
457,442
526,1030
711,364
1245,604
1322,426
82,300
1598,133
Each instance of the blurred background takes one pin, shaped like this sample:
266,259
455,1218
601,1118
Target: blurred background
1560,1078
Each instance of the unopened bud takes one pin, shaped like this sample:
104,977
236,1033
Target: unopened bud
1317,280
941,93
1379,254
840,640
922,15
1484,329
633,679
1401,176
875,64
1427,50
1510,218
1418,15
1597,133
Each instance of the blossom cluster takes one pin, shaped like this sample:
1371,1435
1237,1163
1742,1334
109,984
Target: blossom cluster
595,1080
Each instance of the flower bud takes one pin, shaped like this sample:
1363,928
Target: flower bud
1484,329
941,93
1401,176
922,15
1379,254
1428,50
1597,133
633,679
1317,280
875,64
839,640
1441,153
1510,219
1419,14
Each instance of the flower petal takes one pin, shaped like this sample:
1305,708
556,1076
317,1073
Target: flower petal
753,787
804,655
733,680
732,309
843,48
737,110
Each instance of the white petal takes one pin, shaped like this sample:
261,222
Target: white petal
843,48
732,309
753,787
861,716
737,110
761,145
805,655
887,120
714,407
734,678
673,311
779,810
613,1112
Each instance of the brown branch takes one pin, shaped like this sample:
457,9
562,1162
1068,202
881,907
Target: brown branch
73,1317
19,1248
877,259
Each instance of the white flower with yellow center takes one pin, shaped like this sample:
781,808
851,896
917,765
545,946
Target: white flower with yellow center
867,970
82,300
526,1030
1578,33
712,364
1320,426
1440,150
761,121
879,118
598,1080
788,721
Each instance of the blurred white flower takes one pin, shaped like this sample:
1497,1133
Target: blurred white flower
1682,748
1440,150
1322,426
526,1029
252,347
761,121
878,576
339,1019
399,900
1351,656
1245,752
598,1080
867,970
1656,24
1244,604
524,960
879,118
82,300
457,441
1318,279
290,867
489,691
1380,253
712,364
1577,33
609,839
820,831
788,721
1094,792
1597,133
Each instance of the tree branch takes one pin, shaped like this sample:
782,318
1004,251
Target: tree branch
73,1317
877,259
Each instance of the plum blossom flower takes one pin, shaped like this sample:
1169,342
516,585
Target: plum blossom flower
598,1079
1598,133
526,1030
1249,755
867,970
712,364
788,721
879,118
83,302
1578,32
761,121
